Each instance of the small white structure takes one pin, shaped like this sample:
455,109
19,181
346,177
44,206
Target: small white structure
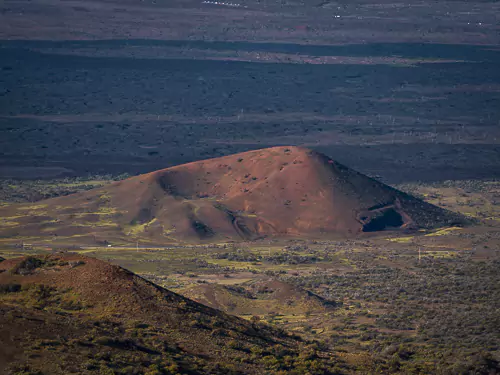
222,3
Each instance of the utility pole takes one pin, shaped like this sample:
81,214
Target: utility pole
419,254
137,245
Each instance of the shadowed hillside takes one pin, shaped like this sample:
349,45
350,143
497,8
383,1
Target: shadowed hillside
64,314
281,191
258,298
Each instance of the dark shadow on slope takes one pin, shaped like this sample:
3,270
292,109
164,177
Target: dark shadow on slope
388,219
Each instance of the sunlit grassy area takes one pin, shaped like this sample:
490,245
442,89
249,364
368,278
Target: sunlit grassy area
443,231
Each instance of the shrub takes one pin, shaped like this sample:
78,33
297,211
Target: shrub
9,288
26,266
233,344
76,263
219,332
124,344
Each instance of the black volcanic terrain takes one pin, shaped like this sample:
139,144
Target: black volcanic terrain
406,91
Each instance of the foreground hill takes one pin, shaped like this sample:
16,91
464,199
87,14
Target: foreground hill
281,191
63,314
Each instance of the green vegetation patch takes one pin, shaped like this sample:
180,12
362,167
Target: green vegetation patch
27,266
24,191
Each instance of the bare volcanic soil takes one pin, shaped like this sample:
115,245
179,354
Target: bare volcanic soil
280,191
66,313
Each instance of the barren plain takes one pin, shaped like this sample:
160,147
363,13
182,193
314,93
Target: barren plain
403,91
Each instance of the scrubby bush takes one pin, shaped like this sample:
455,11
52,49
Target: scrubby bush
9,288
27,266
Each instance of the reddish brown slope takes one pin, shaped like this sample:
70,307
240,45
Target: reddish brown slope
63,314
280,191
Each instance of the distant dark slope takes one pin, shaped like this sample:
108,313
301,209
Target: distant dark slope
280,191
66,314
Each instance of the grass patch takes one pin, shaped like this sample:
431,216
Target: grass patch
401,239
444,231
136,229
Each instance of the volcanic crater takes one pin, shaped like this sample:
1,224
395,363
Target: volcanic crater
273,192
